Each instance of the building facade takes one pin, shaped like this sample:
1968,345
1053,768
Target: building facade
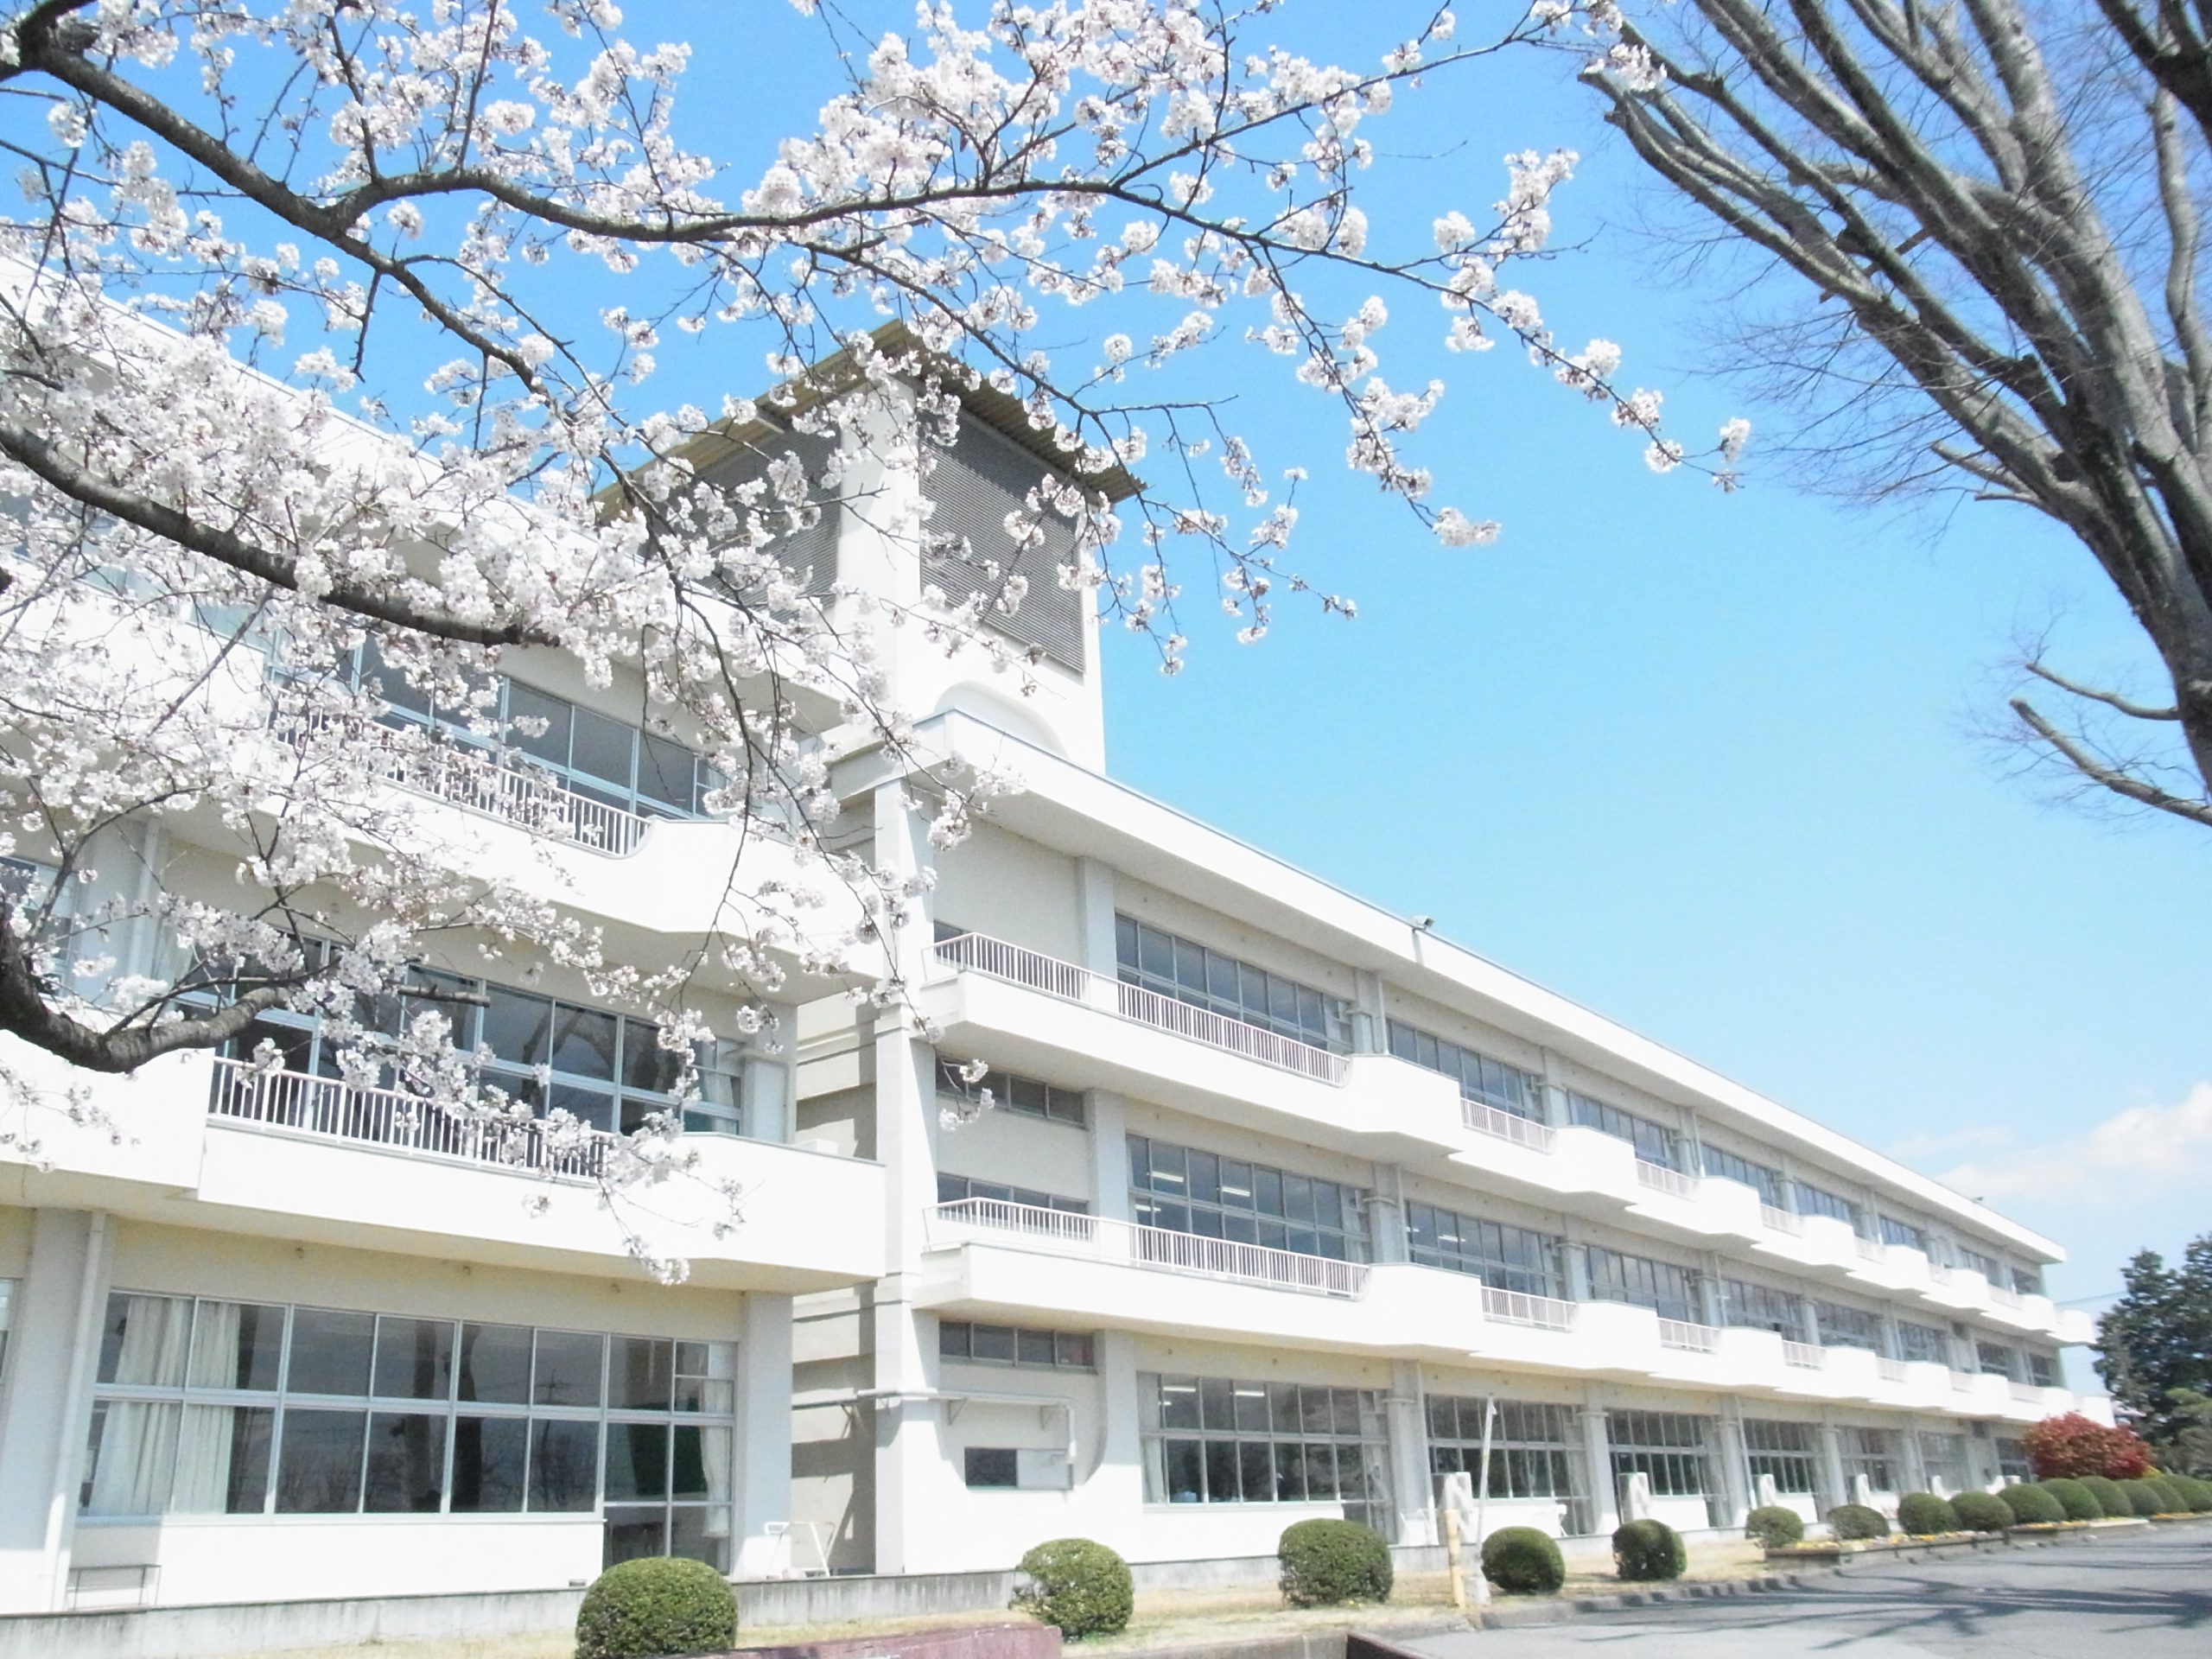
1177,1197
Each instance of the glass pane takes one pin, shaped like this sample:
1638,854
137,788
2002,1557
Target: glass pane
699,1461
407,1462
222,1462
583,1041
1034,1347
133,1449
236,1346
330,1352
636,1460
487,1464
590,1106
319,1471
640,1374
516,1025
664,772
645,1063
1178,1403
701,1534
527,703
993,1342
495,1364
568,1374
145,1340
563,1465
602,747
1186,1462
634,1534
414,1359
1217,1404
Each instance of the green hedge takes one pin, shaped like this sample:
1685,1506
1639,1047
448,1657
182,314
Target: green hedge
1850,1521
1646,1552
656,1606
2076,1499
1987,1512
2143,1497
1524,1561
2198,1493
1080,1587
1772,1527
1328,1563
2031,1506
2110,1499
1923,1515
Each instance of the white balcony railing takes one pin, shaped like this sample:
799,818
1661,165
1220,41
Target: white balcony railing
2006,1296
1690,1338
979,953
1939,1272
1660,1178
1026,1226
1806,1356
1780,1220
1892,1370
1519,1307
1486,1119
2028,1392
481,782
1873,1249
297,1103
1963,1382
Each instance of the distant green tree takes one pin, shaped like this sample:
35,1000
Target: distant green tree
2192,1447
2157,1339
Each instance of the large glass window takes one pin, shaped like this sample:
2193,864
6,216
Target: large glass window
1669,1291
1216,1440
1926,1343
1876,1453
1012,1093
1480,1078
1819,1201
2013,1459
1670,1447
1982,1263
1943,1457
1844,1327
1734,1167
1536,1450
2043,1369
951,1189
206,1406
1995,1359
1904,1234
588,753
1007,1344
1789,1452
1761,1308
1654,1143
1190,973
1512,1258
2028,1281
1187,1190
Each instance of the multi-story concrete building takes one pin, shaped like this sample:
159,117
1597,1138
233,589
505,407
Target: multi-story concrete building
1275,1193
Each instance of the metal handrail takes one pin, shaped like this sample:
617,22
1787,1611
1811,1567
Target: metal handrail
1873,1249
1691,1339
1521,1307
1781,1220
1486,1119
2006,1296
1103,1238
1662,1178
1964,1382
1805,1354
333,1108
1892,1370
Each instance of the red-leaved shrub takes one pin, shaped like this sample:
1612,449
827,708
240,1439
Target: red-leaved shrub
2071,1447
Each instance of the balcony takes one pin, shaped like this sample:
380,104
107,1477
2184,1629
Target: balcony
1777,1219
1519,1307
1661,1178
1130,1243
1805,1356
1686,1337
1485,1119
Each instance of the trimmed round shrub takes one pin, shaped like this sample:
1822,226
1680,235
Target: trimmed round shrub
656,1606
2170,1502
1853,1522
2143,1497
1923,1514
2110,1499
2198,1493
1328,1563
1081,1587
1646,1552
1988,1511
1523,1561
2031,1506
1772,1527
2076,1498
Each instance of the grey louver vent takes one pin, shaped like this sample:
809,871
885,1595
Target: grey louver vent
814,550
975,487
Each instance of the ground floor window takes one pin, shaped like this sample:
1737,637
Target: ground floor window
1216,1440
2013,1459
212,1407
1789,1452
1671,1449
1875,1453
1536,1450
1943,1457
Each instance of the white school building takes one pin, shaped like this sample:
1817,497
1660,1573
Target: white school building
1276,1195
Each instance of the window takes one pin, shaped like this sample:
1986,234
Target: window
1985,1265
1654,1143
1186,1191
1925,1342
1668,1447
1903,1234
1512,1258
1995,1359
1669,1291
1236,990
1006,1345
951,1189
1819,1201
2043,1369
2028,1281
1480,1078
1014,1094
1943,1457
214,1407
1875,1453
1789,1452
1843,1326
1733,1167
587,754
1536,1450
1215,1441
2013,1459
992,1466
1761,1308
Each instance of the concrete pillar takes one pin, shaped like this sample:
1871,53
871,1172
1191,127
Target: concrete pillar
1693,1141
1708,1287
1554,1092
1386,1215
1915,1472
1094,883
1369,1024
1109,1155
763,1485
1577,1264
46,1405
1112,1477
1409,1478
1597,1457
1811,1316
1834,1488
1736,1492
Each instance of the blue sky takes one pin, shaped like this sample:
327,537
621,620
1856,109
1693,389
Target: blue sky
1704,762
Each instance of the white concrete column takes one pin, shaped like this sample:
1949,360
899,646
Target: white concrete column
1578,1265
1386,1215
1369,1022
46,1405
1812,1317
1597,1457
1409,1479
1736,1492
1835,1489
1554,1092
1095,915
1915,1472
763,1485
1693,1140
1111,1481
1708,1287
1110,1154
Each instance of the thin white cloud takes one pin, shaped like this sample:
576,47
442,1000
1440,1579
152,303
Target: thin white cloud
1920,1149
2135,1153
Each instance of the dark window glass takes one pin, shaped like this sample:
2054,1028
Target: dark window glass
414,1359
601,748
528,704
992,1466
330,1352
407,1462
516,1025
567,1370
665,774
687,1462
563,1465
495,1364
253,1430
634,1534
640,1374
487,1464
645,1063
319,1470
636,1460
583,1041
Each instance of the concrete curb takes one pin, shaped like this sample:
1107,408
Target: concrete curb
1515,1614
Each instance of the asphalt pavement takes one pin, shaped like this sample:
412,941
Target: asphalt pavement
2148,1597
